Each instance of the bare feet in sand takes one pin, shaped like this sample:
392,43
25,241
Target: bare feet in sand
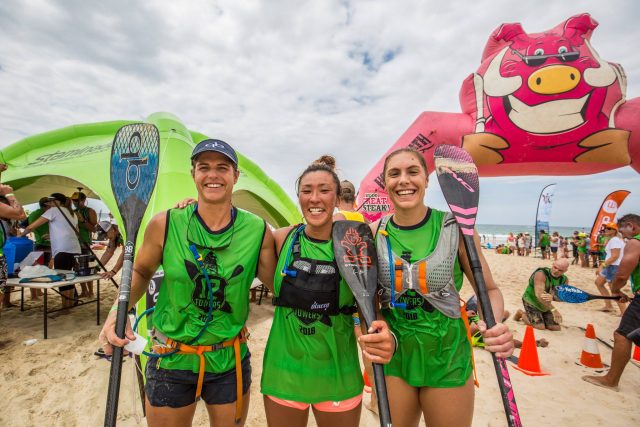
600,382
518,315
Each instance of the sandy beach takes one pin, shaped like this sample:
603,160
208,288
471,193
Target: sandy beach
60,382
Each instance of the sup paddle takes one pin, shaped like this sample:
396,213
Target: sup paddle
458,178
355,254
134,169
573,295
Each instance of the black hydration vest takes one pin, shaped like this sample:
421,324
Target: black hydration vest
309,284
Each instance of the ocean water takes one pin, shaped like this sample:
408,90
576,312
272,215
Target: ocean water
497,233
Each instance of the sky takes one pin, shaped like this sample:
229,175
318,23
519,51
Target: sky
287,81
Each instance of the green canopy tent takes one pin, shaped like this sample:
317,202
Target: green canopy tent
79,156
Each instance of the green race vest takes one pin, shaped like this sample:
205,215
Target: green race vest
433,349
85,234
544,240
40,231
307,360
183,301
550,283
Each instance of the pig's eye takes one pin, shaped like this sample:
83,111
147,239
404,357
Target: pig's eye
538,52
562,49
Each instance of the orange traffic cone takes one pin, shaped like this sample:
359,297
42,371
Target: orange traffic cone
367,383
590,357
636,355
528,361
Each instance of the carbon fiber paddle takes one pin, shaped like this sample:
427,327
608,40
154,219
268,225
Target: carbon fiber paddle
355,253
134,169
458,178
573,295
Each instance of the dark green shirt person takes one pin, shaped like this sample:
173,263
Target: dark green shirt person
41,233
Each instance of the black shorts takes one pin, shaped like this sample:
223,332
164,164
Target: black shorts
177,388
543,249
64,261
554,249
630,320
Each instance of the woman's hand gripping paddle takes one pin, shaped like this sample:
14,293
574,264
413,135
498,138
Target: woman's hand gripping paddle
134,169
355,253
573,295
458,178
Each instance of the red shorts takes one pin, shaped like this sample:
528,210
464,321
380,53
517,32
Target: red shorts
342,406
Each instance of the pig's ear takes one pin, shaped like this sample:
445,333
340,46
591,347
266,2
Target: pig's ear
501,37
579,27
507,32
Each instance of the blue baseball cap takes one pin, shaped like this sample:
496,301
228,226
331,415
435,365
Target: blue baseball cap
216,146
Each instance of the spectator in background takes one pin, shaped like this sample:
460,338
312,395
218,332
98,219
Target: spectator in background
10,209
527,244
614,251
583,250
41,236
574,248
544,244
64,242
115,240
511,243
520,244
554,244
87,222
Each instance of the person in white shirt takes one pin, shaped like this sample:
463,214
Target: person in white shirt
64,240
609,267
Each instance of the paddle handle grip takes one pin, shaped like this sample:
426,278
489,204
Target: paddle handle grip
500,365
115,375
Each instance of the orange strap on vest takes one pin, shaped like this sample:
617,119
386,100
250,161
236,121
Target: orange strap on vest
199,350
422,277
398,276
465,318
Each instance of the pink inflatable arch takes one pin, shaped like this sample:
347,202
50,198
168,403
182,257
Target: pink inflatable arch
539,104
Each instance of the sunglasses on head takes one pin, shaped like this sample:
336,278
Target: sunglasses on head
535,60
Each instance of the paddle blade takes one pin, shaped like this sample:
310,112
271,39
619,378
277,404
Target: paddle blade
357,261
573,295
134,170
570,294
458,178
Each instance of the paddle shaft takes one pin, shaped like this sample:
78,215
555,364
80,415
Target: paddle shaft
83,243
367,309
500,365
121,323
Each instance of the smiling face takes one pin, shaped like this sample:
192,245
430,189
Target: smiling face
214,175
318,197
405,180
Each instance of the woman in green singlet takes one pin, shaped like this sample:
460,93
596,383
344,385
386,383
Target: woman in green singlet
421,261
311,358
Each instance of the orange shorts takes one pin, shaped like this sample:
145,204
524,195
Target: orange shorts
342,406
